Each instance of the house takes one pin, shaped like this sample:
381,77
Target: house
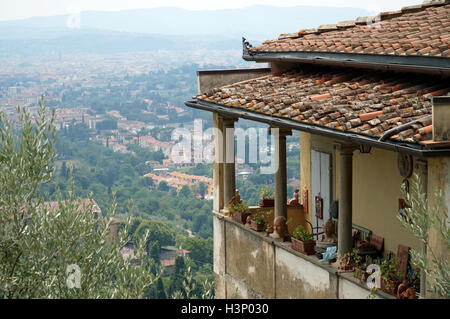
371,101
155,145
169,254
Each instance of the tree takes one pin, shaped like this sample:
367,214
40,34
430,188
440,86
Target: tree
160,291
50,252
157,231
156,291
163,186
419,220
64,171
135,223
154,252
184,191
202,188
177,277
201,250
148,181
107,124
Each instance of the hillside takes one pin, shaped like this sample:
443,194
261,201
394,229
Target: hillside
161,29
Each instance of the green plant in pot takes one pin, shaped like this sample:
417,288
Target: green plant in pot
266,199
258,222
359,266
303,241
391,275
239,212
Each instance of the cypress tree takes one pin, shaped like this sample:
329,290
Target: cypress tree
160,292
177,277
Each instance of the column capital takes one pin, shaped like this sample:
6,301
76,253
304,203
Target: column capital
282,131
228,121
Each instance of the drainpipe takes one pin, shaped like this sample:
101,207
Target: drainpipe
401,128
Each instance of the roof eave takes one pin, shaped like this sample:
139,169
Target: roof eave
397,146
416,64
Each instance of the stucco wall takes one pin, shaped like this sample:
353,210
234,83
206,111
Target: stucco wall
376,188
297,278
376,191
249,260
254,266
350,290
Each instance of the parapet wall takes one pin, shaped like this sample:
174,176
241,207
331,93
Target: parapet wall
249,265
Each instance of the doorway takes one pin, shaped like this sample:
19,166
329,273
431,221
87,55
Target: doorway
321,172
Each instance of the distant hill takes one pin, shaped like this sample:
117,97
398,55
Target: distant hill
165,28
103,42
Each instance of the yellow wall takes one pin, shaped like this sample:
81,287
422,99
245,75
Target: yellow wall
376,188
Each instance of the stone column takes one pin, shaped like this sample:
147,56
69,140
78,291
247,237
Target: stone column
219,151
280,187
345,199
229,172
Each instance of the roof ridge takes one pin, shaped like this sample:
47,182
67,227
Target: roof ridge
382,16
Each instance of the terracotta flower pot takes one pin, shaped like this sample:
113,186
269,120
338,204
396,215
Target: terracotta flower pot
240,217
257,227
267,202
390,288
305,247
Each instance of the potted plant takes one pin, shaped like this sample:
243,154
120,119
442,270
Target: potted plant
266,199
239,212
258,223
303,241
359,267
391,276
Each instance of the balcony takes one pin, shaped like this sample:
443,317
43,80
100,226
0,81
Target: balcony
249,265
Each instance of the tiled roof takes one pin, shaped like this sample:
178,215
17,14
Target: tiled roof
349,100
422,30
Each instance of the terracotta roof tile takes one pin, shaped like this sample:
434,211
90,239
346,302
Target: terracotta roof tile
364,102
419,30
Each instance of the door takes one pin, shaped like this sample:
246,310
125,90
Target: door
321,186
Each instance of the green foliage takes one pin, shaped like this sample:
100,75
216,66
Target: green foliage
239,207
154,252
177,277
199,169
201,249
390,269
184,191
157,231
107,124
163,186
300,233
161,292
191,289
265,192
420,219
39,244
259,219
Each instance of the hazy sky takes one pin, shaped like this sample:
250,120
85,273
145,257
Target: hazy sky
21,9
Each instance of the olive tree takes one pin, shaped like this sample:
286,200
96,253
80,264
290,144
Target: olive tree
419,220
63,251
